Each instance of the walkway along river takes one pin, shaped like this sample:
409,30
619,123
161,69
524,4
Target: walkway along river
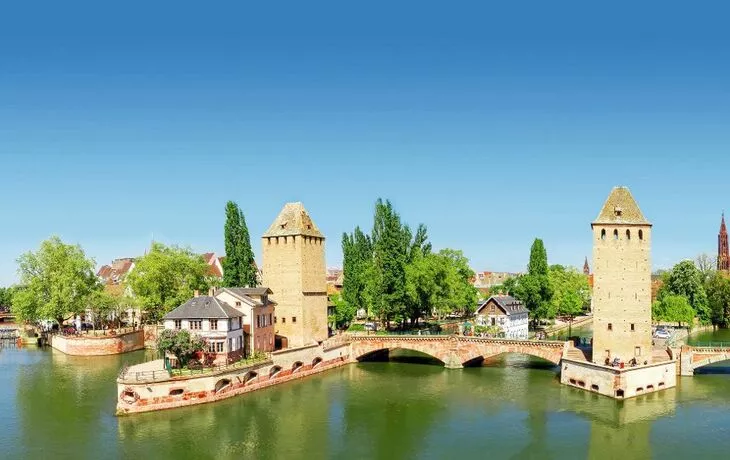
58,406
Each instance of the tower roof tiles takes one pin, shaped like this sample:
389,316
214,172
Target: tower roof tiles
621,208
293,220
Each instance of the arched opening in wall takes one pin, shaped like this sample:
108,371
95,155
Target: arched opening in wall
603,234
641,234
221,384
615,234
176,392
274,371
515,360
594,387
296,366
400,355
619,393
628,234
249,377
129,396
316,361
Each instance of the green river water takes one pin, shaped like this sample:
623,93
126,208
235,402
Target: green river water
56,406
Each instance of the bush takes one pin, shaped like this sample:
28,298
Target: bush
181,344
356,328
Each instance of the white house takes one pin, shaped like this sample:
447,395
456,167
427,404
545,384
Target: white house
214,320
506,312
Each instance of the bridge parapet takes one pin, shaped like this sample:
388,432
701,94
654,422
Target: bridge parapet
693,357
454,351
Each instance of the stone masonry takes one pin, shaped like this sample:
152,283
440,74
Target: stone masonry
622,281
294,269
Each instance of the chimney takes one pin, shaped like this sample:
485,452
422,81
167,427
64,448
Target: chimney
196,293
211,292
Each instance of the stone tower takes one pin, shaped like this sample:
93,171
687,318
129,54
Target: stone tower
723,253
622,281
294,269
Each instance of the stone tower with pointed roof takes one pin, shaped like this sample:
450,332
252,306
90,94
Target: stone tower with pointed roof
294,269
723,253
622,281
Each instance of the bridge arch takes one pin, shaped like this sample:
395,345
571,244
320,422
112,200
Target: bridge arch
365,355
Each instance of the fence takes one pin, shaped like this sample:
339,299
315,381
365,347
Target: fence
244,363
71,332
710,345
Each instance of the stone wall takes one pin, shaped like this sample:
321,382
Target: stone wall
87,345
285,366
618,383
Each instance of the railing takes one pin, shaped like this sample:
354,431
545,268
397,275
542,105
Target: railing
244,363
710,345
97,332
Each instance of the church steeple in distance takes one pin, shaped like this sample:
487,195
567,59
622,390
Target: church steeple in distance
586,268
723,253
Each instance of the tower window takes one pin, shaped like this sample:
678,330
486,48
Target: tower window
632,327
603,234
641,234
610,326
615,234
628,234
283,319
293,319
617,211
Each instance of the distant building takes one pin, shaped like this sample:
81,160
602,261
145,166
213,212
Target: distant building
116,272
220,324
723,252
335,279
507,313
484,281
215,266
294,269
259,313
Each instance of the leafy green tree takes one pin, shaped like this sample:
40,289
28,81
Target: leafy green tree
6,296
239,265
534,288
673,308
165,278
344,312
57,280
571,293
181,343
357,253
460,295
686,280
718,295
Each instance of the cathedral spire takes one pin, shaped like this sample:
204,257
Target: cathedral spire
586,268
723,253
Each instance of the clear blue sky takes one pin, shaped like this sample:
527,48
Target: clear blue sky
492,125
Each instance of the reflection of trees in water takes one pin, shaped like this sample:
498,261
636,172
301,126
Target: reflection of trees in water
65,404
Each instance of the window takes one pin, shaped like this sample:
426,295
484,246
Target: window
610,326
178,324
628,234
603,234
274,319
632,327
258,320
617,211
270,320
641,234
637,351
615,234
196,325
219,347
213,324
293,319
238,304
283,319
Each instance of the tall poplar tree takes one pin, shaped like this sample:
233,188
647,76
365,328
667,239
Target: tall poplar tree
534,288
239,266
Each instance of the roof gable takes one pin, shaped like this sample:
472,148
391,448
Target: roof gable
293,220
507,304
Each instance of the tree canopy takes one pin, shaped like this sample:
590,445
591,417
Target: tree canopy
718,296
685,279
239,266
673,308
534,288
58,281
180,343
165,278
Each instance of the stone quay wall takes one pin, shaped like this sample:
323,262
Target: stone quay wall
285,365
618,383
88,345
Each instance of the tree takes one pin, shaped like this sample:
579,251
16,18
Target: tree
344,312
533,288
165,278
673,308
57,280
718,296
706,265
357,254
180,343
6,297
571,293
686,280
239,265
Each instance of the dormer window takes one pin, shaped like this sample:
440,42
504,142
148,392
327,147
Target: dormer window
617,211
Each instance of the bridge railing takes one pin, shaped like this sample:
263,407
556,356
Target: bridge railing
710,345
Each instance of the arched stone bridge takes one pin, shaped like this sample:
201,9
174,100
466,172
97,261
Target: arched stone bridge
692,358
455,351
